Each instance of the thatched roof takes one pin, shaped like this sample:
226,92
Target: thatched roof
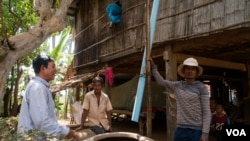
74,81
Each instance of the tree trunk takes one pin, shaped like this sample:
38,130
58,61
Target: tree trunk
15,103
8,96
6,101
26,42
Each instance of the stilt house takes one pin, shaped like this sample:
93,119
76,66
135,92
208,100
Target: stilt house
215,32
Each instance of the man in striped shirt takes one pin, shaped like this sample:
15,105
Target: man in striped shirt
192,99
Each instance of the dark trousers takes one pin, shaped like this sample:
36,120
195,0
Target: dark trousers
97,129
187,134
216,134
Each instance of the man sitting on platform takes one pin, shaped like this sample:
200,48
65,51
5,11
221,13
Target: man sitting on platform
97,107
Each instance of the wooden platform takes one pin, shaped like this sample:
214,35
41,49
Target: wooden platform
125,114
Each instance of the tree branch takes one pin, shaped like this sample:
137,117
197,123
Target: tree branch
2,20
44,9
26,42
17,16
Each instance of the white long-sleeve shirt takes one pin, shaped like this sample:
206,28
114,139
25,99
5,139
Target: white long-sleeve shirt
38,110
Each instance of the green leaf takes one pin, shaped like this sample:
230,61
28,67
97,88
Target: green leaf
57,51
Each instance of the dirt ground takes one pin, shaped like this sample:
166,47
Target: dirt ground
159,132
126,125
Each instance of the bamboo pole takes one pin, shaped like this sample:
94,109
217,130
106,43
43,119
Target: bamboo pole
142,78
148,74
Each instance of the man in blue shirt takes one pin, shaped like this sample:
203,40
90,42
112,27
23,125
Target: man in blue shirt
38,108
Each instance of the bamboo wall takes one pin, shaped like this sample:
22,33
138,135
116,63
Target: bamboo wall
180,19
96,40
177,19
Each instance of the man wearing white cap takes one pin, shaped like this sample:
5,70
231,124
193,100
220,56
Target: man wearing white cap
192,100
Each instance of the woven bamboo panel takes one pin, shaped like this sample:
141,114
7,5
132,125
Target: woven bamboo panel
95,37
193,18
177,20
203,2
217,15
201,19
234,12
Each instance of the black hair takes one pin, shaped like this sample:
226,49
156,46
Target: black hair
39,61
97,79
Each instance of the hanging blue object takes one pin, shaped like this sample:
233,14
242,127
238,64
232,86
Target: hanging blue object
114,12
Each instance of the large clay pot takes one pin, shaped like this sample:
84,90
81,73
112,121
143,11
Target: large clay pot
119,136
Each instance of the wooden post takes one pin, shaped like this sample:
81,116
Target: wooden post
171,74
247,96
148,74
76,92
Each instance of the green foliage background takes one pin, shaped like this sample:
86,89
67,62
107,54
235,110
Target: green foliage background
23,18
19,16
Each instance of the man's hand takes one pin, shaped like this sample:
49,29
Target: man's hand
151,61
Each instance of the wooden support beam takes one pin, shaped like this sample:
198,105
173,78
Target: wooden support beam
170,74
148,70
247,94
126,70
213,62
132,71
